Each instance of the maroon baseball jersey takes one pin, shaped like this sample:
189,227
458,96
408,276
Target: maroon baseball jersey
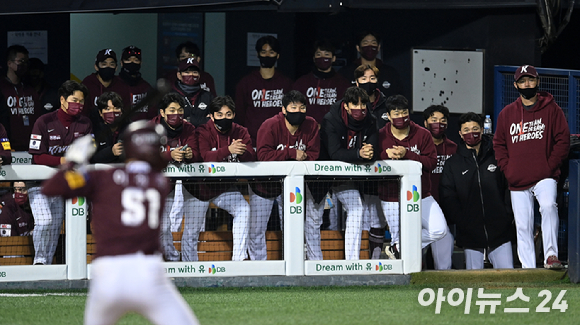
14,219
420,147
21,106
205,81
258,99
276,143
127,205
51,137
322,90
132,95
213,145
185,134
96,89
445,150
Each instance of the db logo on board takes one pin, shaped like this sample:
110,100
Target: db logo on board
412,197
296,198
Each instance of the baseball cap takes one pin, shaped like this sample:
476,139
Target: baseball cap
188,63
130,51
525,70
105,54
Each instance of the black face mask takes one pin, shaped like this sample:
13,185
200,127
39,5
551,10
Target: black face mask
106,73
131,68
21,70
267,61
369,87
528,93
224,124
295,118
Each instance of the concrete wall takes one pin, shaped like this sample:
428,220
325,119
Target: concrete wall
90,33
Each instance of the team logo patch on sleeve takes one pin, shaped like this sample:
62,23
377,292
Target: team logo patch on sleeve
5,144
35,145
74,179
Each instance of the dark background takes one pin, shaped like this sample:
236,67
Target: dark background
507,33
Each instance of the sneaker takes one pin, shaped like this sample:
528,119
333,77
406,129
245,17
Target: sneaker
553,263
393,252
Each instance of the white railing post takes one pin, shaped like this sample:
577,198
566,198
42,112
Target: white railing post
294,197
76,238
410,205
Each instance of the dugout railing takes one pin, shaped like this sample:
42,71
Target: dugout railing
294,262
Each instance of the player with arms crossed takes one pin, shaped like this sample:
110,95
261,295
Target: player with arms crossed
127,204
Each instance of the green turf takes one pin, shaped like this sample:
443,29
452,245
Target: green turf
314,305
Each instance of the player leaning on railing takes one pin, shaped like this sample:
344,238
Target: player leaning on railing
51,136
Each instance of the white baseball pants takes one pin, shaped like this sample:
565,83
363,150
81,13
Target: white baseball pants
523,205
194,211
48,214
260,214
351,200
134,283
433,223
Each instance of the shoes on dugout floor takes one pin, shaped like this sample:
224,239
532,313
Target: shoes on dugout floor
393,252
553,263
376,254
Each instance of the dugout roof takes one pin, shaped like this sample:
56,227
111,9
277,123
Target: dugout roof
63,6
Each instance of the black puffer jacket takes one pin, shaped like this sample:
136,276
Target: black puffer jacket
474,196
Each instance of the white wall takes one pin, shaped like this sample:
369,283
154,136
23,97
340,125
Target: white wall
90,33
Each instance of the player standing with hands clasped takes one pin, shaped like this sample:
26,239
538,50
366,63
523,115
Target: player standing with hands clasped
126,219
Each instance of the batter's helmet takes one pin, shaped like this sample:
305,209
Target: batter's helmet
142,140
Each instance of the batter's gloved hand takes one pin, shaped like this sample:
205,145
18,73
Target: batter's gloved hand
81,150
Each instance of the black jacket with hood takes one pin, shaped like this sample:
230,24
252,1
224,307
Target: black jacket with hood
474,196
334,137
379,109
334,134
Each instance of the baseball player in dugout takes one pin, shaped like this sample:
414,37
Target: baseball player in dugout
531,141
436,119
126,219
349,133
259,94
188,50
51,136
102,80
18,101
290,135
222,140
473,196
15,215
108,127
132,87
196,98
180,147
322,86
402,139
